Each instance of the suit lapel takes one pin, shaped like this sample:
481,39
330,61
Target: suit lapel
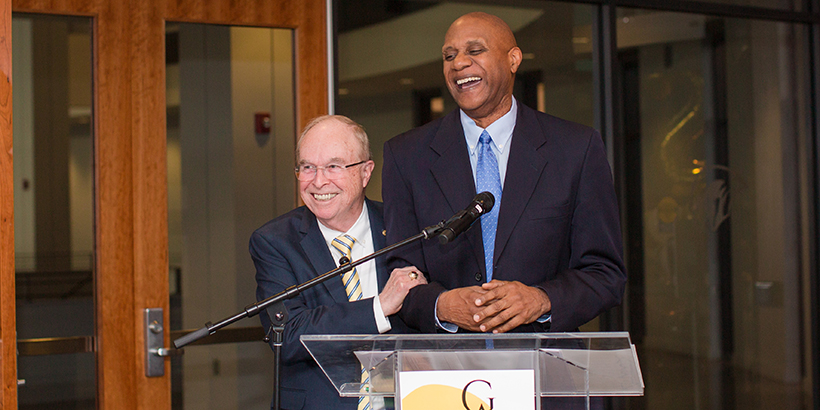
315,247
377,234
454,174
524,168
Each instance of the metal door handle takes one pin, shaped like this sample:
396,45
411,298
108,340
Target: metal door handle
166,352
155,353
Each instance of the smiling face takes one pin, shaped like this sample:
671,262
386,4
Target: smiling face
480,61
337,203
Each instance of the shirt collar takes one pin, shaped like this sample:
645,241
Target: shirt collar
501,130
360,230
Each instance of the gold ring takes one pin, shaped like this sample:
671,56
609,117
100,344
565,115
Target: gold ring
413,275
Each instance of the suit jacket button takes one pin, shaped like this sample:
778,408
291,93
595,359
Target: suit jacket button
478,277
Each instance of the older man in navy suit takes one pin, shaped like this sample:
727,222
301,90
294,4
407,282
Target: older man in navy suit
334,166
549,255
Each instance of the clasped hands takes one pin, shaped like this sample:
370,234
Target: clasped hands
497,306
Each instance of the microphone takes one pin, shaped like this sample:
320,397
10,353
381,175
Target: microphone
460,222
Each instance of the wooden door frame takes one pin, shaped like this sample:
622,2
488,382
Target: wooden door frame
8,308
130,167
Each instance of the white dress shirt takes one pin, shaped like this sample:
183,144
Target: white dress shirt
500,131
367,271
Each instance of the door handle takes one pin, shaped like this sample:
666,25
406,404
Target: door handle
155,353
165,352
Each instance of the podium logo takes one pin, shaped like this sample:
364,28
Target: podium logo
441,397
464,396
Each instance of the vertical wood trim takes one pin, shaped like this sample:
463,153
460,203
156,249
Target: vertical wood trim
8,326
311,56
117,369
311,62
150,190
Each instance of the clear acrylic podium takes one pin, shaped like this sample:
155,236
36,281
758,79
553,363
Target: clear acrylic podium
564,364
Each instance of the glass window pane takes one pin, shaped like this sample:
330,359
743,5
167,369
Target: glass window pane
227,175
53,204
717,110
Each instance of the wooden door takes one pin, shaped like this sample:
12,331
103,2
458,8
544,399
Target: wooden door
130,169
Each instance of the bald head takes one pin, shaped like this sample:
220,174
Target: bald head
480,61
492,24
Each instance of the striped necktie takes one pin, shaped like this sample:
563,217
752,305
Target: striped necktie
353,288
350,279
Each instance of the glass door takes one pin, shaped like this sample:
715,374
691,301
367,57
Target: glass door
231,139
54,211
716,185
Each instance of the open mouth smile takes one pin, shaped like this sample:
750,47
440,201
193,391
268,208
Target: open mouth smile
467,82
324,197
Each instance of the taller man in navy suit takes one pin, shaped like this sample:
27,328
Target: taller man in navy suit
556,260
333,168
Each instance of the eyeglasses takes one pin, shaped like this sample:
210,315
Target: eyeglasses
306,172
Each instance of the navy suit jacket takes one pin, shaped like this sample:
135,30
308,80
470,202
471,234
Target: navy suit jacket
558,225
290,250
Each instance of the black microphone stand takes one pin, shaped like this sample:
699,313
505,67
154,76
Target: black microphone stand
277,313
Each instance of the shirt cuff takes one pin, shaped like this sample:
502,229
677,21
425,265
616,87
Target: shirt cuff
446,326
382,322
545,318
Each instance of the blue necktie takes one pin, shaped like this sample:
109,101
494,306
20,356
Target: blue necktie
488,179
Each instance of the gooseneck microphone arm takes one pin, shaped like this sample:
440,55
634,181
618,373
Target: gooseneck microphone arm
291,292
463,220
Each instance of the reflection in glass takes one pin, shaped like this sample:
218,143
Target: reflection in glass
53,204
227,175
718,114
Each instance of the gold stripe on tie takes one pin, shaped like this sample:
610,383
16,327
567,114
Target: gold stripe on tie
353,288
350,279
